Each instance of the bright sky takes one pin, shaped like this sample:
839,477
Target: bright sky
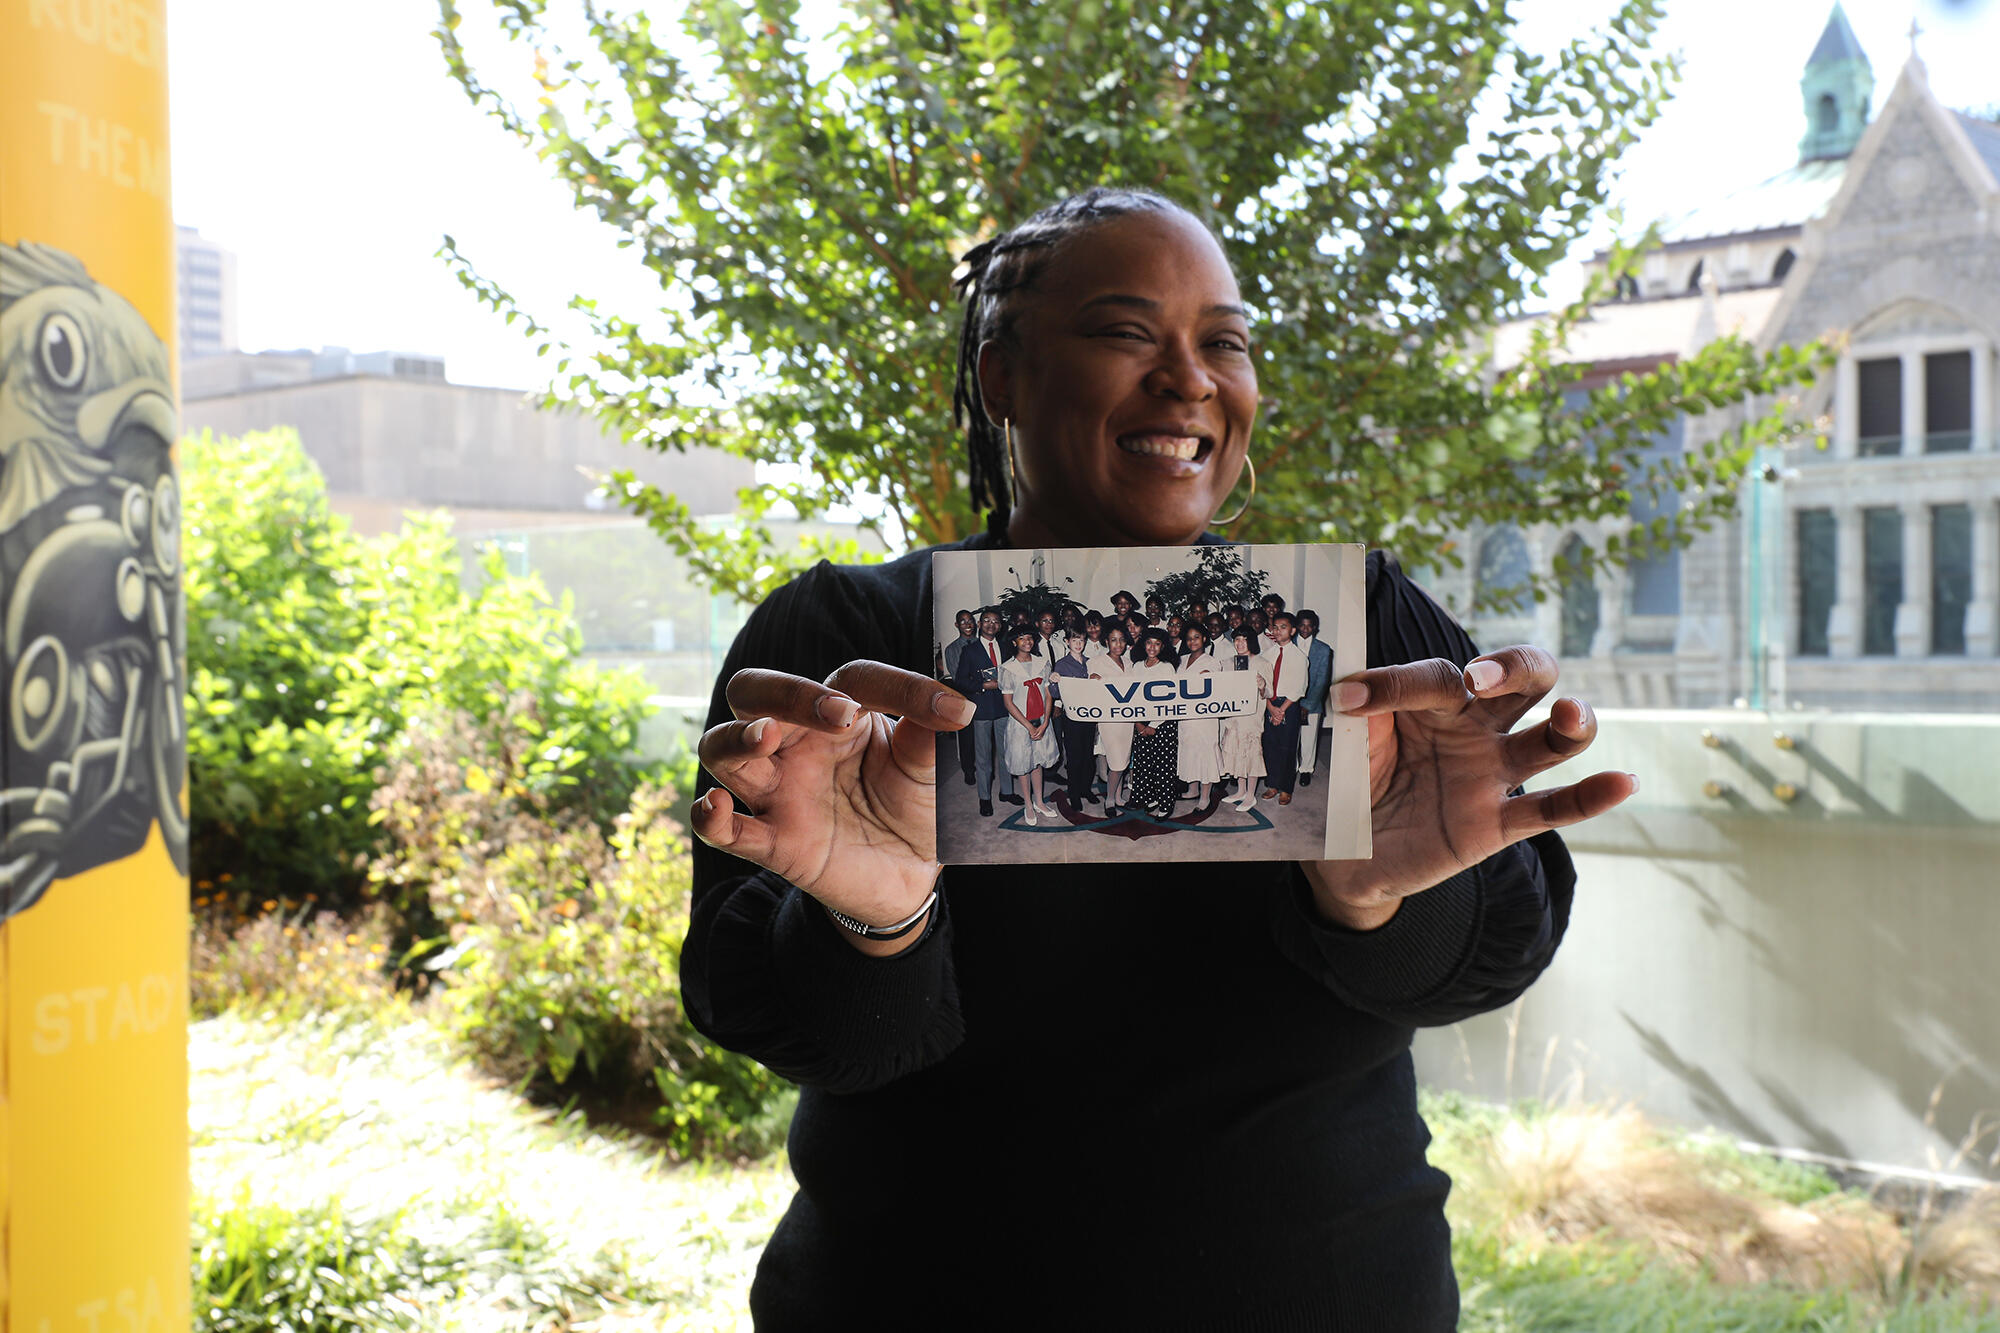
327,147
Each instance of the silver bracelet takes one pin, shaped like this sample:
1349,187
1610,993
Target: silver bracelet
895,932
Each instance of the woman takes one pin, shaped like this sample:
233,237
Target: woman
1030,744
1135,632
1218,634
1093,636
1243,737
1199,756
1156,612
1114,739
1155,746
1236,1140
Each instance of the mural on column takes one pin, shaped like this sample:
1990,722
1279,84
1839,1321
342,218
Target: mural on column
90,629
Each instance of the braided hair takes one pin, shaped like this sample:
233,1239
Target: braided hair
994,271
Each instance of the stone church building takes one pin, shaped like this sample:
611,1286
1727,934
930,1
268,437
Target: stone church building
1865,574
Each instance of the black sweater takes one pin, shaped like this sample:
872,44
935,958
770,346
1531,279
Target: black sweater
1104,1096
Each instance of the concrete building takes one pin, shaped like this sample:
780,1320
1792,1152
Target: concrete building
207,295
391,433
1865,574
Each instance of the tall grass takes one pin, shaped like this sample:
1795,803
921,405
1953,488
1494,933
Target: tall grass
1587,1217
265,1268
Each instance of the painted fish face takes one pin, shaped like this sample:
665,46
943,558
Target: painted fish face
91,638
83,380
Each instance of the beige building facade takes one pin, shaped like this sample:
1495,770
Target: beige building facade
1865,573
386,428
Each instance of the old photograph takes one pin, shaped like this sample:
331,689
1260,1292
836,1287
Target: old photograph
1157,703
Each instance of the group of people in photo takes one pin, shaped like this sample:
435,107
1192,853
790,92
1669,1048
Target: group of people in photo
1022,747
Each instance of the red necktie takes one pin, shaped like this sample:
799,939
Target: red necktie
1278,675
993,653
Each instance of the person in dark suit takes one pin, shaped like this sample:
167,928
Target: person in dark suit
1319,678
968,630
1078,738
1283,713
989,718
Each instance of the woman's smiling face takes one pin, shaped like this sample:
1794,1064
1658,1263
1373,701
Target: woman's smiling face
1130,383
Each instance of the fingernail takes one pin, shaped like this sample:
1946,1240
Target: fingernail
1484,675
1635,782
836,711
754,733
954,707
702,805
1350,695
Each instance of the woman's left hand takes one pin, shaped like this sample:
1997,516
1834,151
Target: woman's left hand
1442,756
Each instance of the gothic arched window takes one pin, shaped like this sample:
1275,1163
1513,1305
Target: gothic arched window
1500,579
1829,113
1580,611
1784,264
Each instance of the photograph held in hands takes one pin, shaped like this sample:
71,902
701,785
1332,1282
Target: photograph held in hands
1151,703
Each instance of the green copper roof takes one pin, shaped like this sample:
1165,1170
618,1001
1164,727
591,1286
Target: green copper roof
1838,42
1787,199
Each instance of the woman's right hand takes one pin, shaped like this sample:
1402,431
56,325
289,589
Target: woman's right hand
836,794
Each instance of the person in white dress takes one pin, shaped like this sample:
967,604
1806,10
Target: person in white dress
1030,743
1115,738
1093,648
1200,757
1243,737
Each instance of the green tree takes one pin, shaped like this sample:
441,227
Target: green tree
801,200
311,651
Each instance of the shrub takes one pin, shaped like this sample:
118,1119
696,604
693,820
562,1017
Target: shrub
264,1268
310,652
287,961
563,965
269,1268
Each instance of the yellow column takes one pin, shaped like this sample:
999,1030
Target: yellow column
93,823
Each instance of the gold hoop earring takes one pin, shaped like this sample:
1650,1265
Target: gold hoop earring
1013,491
1225,522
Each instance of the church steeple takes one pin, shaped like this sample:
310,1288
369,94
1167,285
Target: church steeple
1838,86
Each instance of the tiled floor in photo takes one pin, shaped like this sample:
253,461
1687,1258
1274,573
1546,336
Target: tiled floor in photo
1214,831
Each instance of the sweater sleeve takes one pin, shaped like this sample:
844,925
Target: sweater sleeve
764,970
1467,945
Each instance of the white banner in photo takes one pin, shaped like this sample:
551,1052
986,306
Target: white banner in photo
1160,698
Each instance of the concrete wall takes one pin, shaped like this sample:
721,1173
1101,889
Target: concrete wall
1819,974
450,444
